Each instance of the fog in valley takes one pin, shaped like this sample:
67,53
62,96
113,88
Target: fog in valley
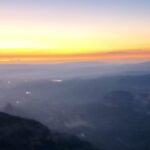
107,104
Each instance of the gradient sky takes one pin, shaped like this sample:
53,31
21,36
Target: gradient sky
74,29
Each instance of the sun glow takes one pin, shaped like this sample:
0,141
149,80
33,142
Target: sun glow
54,41
44,32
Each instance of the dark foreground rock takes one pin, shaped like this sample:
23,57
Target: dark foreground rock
23,134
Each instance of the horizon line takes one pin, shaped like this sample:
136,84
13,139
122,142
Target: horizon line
108,55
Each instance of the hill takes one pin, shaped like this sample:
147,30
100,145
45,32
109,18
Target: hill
23,134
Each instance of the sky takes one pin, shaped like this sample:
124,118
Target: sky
74,29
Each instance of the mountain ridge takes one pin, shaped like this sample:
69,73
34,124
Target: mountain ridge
25,134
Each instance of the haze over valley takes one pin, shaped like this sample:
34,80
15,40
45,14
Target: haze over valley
107,104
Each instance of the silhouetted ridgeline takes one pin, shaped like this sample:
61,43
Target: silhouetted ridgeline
22,134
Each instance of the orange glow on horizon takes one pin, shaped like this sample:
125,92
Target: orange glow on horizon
110,55
74,30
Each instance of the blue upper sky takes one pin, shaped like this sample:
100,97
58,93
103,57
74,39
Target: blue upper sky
131,5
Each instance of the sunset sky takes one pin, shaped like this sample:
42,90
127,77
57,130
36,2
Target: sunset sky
74,29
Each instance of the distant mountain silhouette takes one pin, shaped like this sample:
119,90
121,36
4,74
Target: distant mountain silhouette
22,134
